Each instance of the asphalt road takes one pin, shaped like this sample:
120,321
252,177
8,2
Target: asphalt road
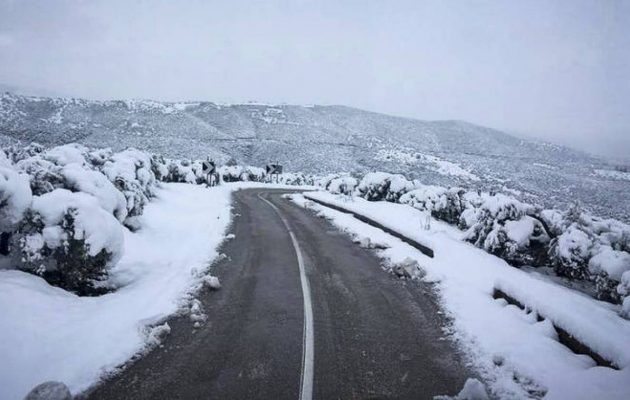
374,336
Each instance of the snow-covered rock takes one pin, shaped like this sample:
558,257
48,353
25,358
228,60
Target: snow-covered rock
50,390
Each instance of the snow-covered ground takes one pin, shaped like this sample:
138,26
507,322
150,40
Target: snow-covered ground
613,174
518,356
51,334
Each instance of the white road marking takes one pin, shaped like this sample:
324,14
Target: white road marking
308,353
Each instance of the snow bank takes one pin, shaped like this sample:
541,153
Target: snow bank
51,334
514,352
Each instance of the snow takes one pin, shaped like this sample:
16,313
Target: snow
434,163
96,184
15,197
613,174
449,168
520,230
473,390
514,353
342,185
612,262
51,334
573,244
99,229
66,154
4,160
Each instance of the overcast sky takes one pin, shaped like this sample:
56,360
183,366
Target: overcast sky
558,70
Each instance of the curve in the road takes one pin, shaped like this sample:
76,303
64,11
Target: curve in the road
378,337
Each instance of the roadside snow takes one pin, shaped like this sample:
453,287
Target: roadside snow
49,334
518,356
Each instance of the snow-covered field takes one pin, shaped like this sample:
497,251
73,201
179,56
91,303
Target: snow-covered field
51,334
517,355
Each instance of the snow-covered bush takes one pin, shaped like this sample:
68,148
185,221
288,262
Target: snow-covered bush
344,184
15,198
293,178
20,153
608,266
505,227
44,175
159,167
570,251
254,174
78,179
377,186
131,173
97,158
69,240
443,204
72,153
181,172
238,173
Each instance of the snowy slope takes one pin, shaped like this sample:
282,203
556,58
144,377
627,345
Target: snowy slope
323,139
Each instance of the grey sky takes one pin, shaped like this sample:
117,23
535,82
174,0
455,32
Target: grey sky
559,70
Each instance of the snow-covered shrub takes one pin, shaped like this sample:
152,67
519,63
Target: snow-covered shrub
504,227
254,174
344,184
78,179
131,173
44,175
377,186
237,173
159,167
66,154
293,178
21,153
181,172
97,158
443,204
608,266
570,251
230,173
15,198
69,240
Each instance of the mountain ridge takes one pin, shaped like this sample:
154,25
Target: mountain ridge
321,139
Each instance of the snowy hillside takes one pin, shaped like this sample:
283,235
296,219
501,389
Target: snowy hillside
324,139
